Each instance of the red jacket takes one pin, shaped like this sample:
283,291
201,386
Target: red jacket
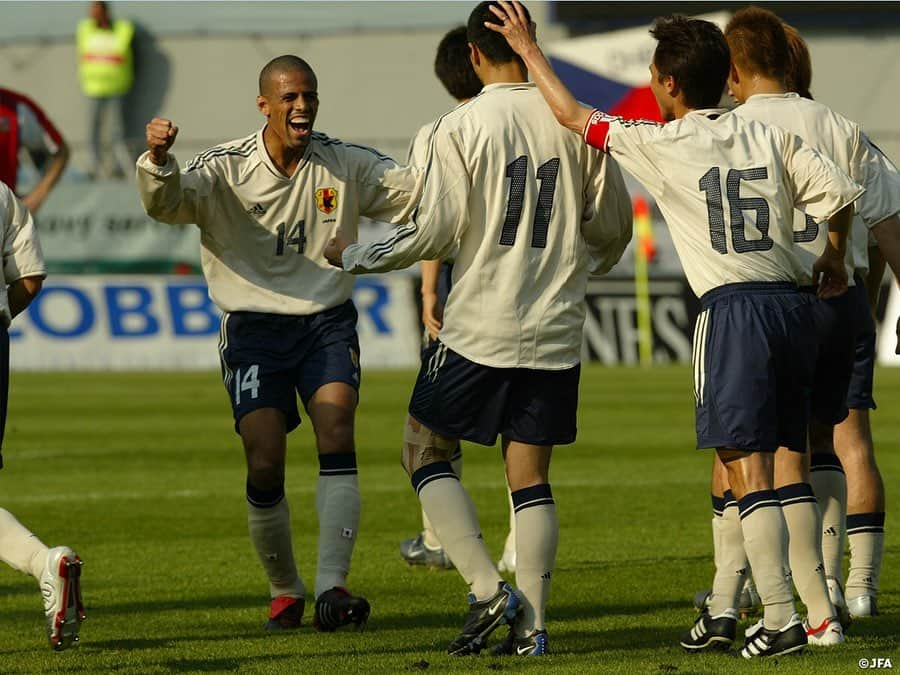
11,107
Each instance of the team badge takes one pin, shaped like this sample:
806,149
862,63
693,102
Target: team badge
326,199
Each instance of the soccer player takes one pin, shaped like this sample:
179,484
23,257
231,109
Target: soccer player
58,569
534,210
454,70
266,205
25,126
755,341
845,474
760,55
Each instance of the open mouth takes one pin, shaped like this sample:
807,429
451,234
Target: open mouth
300,128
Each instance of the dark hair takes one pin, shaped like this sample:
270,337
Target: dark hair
493,45
452,65
695,54
798,76
757,42
286,63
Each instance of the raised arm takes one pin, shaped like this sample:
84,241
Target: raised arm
168,195
520,36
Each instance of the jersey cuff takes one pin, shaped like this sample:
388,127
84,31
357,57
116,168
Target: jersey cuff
347,259
25,272
596,130
168,169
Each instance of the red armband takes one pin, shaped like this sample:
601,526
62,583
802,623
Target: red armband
596,130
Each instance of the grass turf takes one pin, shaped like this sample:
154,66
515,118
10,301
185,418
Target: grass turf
143,476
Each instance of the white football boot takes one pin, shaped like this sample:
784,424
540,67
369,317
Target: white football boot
829,634
61,588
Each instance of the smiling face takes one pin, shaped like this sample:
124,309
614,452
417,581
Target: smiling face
289,101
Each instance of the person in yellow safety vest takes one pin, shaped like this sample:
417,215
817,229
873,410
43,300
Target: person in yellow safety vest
106,70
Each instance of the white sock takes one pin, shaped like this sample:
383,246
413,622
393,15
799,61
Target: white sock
455,522
731,559
20,548
538,529
269,524
766,544
826,475
866,534
804,523
338,507
429,537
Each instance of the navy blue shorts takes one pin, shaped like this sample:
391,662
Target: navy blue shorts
755,349
835,363
4,383
464,400
268,359
859,393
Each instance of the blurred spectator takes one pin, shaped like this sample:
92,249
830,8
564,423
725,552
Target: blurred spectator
106,70
25,127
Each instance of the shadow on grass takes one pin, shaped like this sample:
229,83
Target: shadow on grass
624,638
582,566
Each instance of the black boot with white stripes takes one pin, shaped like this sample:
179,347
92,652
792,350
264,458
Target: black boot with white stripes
711,632
760,641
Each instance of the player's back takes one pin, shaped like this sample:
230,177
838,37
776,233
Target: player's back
521,272
727,187
824,130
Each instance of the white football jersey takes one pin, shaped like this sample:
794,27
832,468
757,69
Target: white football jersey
727,187
263,234
841,140
417,155
22,255
533,209
883,181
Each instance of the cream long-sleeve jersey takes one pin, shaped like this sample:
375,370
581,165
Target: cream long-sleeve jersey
842,141
534,211
263,234
727,187
22,255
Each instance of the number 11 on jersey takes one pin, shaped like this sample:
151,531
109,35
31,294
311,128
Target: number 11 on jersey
517,171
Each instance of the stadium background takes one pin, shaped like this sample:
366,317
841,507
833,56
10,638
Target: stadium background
197,63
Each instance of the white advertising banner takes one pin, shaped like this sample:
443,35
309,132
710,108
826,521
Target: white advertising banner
169,323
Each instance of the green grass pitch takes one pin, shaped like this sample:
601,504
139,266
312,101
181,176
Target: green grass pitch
143,476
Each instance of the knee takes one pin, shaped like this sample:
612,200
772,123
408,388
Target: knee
336,437
422,446
265,473
265,465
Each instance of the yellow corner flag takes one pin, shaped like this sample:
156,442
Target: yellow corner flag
644,252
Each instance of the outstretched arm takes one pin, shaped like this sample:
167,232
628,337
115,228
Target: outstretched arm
518,33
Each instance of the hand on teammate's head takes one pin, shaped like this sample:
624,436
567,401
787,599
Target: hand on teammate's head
515,26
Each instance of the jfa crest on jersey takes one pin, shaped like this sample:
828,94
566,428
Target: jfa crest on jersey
263,233
326,199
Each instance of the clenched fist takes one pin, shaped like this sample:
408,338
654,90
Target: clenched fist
160,137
